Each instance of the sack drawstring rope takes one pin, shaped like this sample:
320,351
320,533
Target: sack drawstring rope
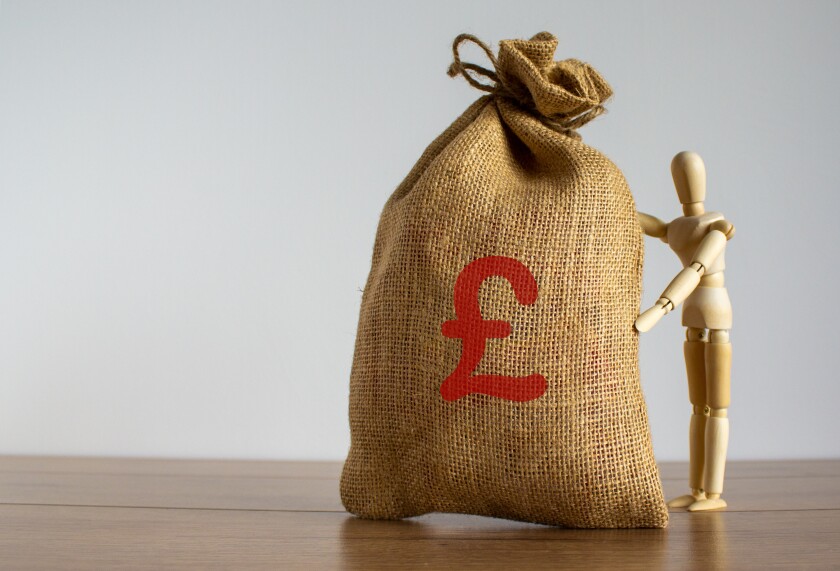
457,66
565,124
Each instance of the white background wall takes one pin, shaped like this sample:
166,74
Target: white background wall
189,193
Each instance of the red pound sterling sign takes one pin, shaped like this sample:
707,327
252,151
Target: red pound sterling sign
475,330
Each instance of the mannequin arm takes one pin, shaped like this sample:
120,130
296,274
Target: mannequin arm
653,226
724,226
685,282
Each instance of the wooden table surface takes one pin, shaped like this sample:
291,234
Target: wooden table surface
104,513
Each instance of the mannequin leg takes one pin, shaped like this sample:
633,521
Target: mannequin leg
695,365
718,366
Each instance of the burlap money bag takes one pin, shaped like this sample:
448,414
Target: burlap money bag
496,364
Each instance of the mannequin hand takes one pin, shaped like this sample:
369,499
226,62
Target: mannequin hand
651,317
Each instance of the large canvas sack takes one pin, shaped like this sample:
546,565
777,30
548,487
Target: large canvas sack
496,364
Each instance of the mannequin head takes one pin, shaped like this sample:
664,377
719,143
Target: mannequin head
689,175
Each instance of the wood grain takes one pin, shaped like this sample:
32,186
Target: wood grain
76,513
170,467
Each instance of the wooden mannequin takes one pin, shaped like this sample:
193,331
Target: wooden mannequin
699,239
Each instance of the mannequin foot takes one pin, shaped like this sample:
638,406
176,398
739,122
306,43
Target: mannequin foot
706,505
686,500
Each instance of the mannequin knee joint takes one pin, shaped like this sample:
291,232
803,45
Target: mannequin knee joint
709,411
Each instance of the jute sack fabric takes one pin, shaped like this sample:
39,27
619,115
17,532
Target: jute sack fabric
530,409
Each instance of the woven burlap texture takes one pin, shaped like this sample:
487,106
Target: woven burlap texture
510,177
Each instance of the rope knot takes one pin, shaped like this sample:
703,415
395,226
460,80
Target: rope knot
565,94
